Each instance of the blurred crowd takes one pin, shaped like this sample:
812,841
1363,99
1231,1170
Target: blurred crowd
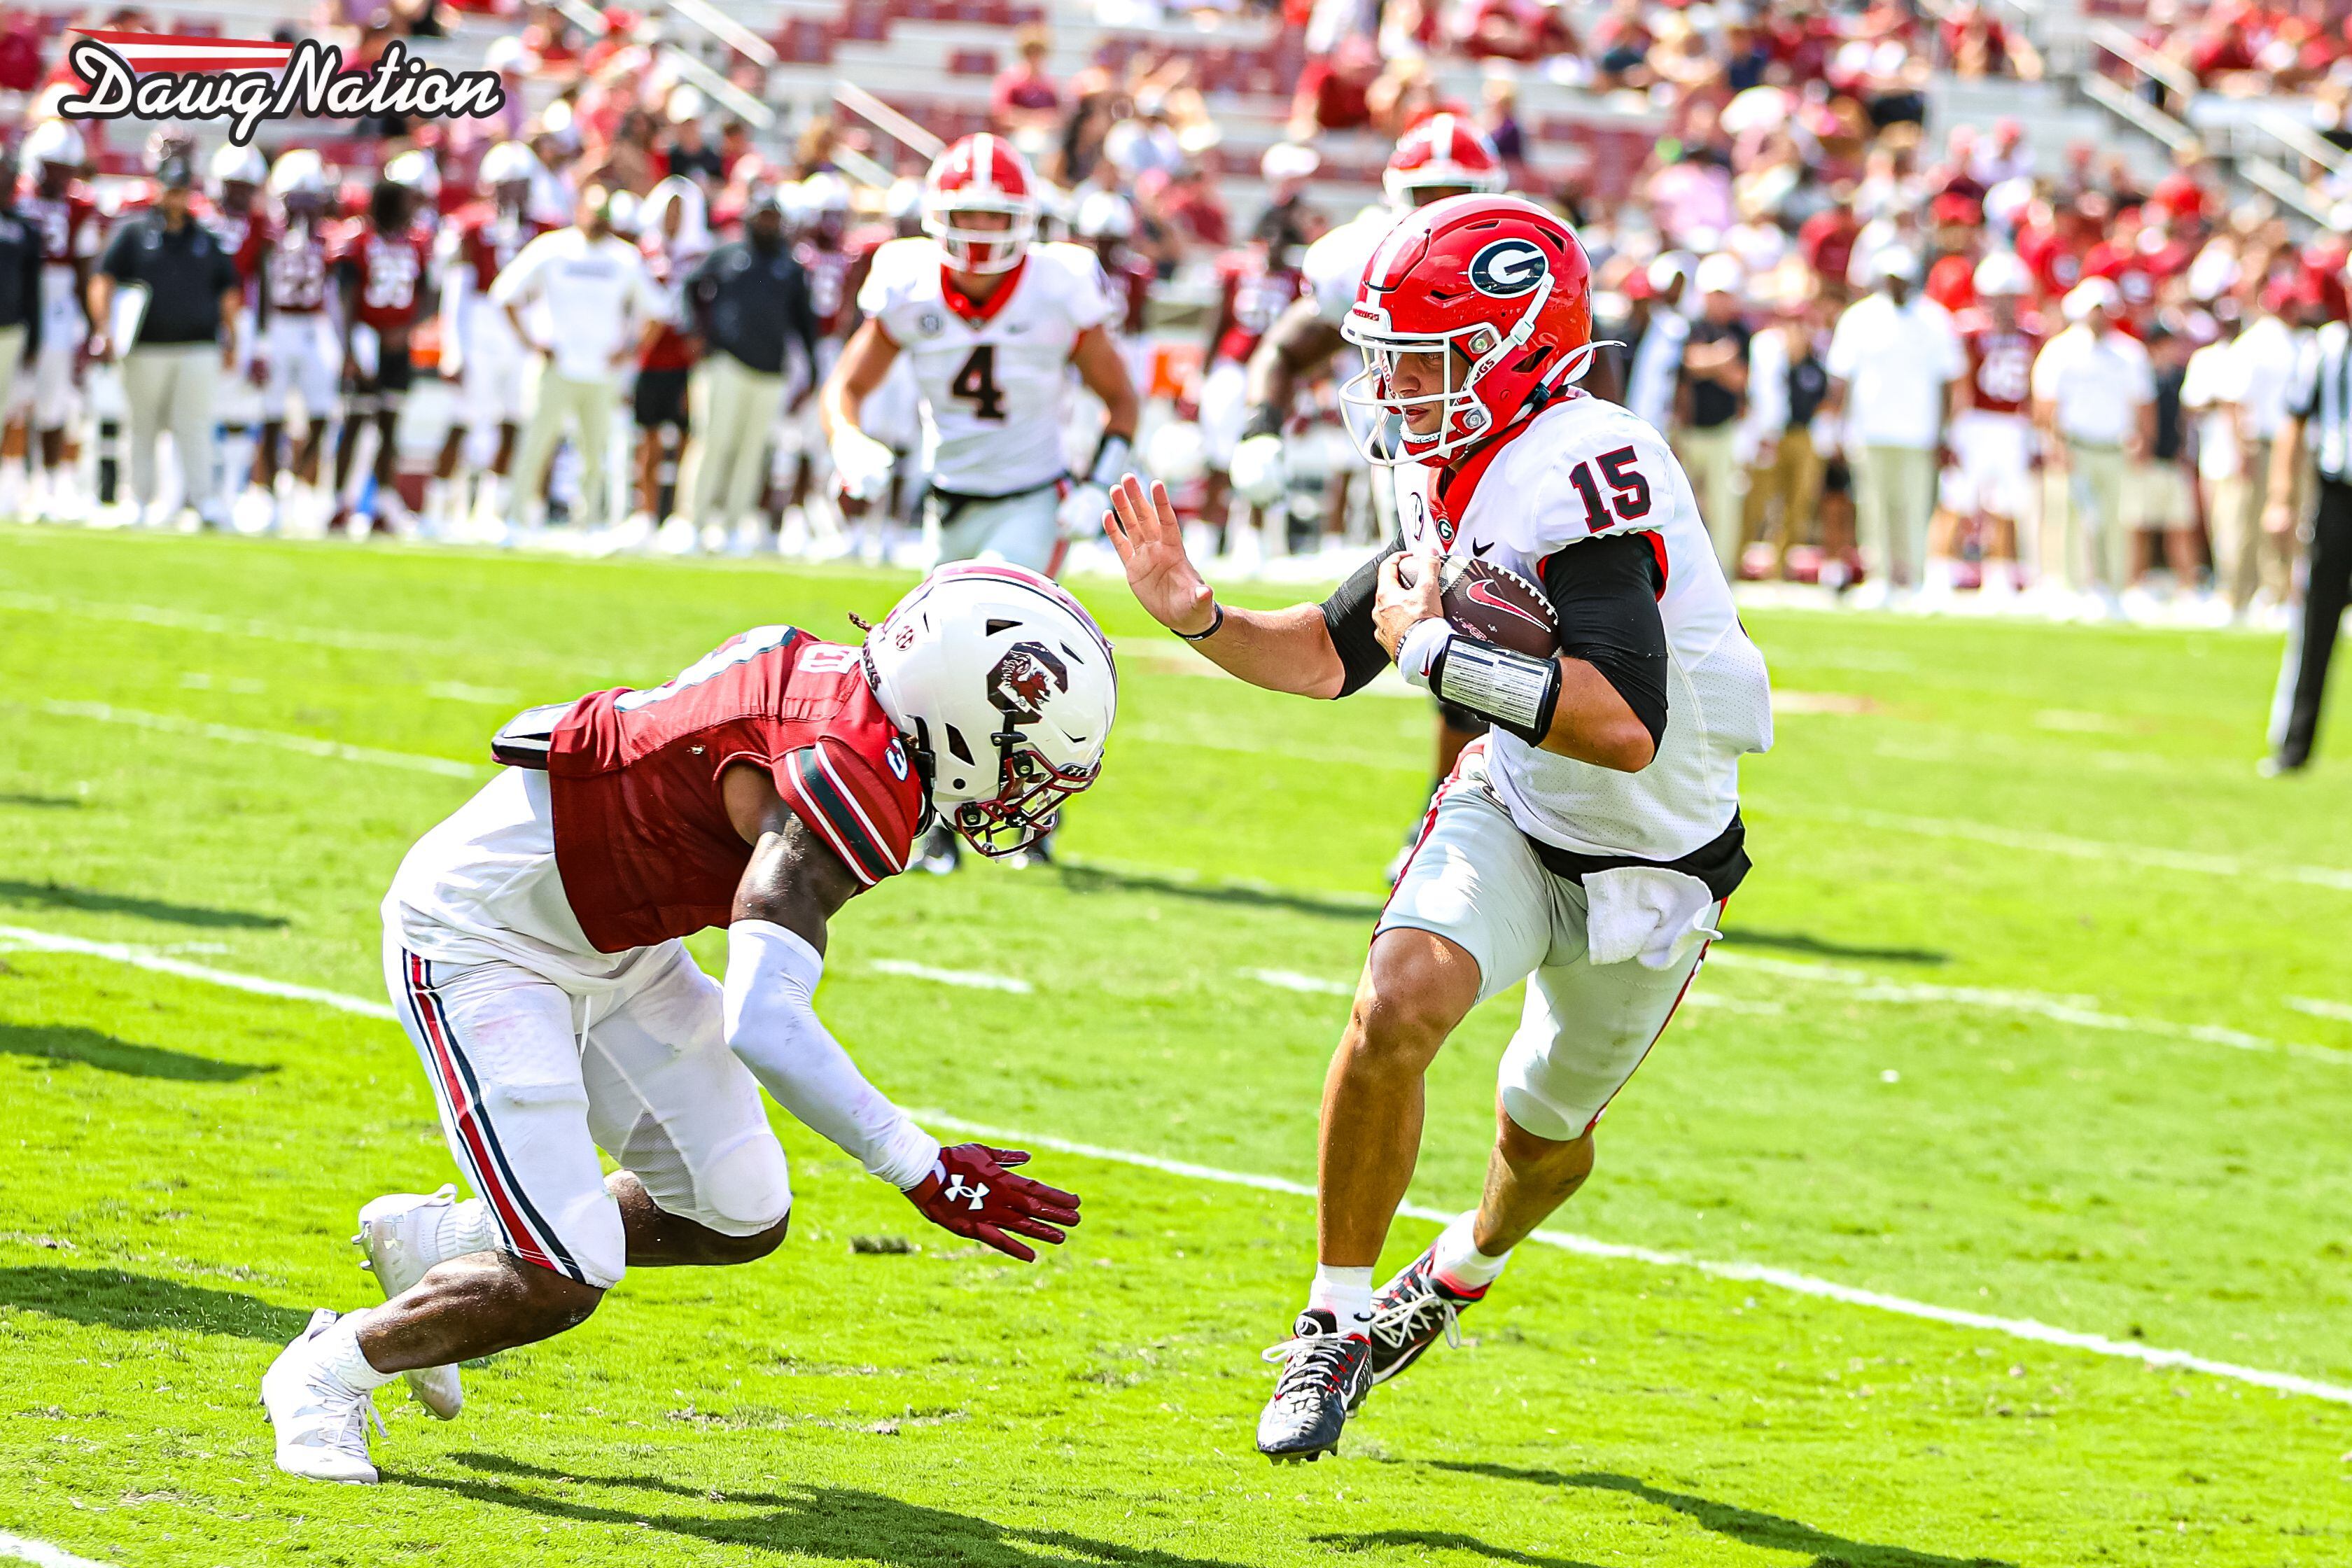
1915,366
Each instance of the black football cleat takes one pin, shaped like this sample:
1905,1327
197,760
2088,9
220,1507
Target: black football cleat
1325,1375
1412,1312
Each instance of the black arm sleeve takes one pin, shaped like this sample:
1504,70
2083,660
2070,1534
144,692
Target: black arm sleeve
1349,614
1606,591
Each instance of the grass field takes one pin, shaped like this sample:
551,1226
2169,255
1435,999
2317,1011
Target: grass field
2036,1007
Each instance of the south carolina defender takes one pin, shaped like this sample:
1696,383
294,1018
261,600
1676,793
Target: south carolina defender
532,946
1586,844
992,323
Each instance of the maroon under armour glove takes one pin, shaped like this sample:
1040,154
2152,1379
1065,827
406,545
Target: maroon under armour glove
973,1193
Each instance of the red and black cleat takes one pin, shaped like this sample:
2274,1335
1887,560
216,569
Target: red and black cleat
1325,1375
1412,1312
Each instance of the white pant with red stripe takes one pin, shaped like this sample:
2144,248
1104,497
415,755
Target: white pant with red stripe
1474,879
532,1078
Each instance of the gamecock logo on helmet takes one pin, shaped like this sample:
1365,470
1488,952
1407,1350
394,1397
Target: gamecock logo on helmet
1024,678
1507,268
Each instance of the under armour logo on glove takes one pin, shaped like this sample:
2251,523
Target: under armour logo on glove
972,1192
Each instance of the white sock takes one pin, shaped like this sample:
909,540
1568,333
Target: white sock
464,1227
1458,1260
1345,1293
341,1361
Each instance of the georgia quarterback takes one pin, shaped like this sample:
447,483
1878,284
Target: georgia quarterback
1585,845
992,321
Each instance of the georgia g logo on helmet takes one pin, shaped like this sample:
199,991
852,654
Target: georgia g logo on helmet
1509,267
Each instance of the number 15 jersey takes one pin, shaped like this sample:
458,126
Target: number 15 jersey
994,375
1583,470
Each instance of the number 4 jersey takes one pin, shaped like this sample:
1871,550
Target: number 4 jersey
624,841
995,376
1583,470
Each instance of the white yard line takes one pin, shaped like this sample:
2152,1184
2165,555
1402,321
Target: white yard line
1590,1246
2161,859
24,1549
1291,980
27,939
970,979
2083,1010
235,735
2339,1011
1753,1273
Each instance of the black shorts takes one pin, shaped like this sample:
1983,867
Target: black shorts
661,398
394,372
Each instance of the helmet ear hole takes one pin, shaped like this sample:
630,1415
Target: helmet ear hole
959,748
1532,361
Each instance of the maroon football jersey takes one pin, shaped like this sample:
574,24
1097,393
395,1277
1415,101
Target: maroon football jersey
643,840
298,272
2000,363
391,269
489,238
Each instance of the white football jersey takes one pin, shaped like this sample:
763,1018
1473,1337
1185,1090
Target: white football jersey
1584,467
1334,265
995,382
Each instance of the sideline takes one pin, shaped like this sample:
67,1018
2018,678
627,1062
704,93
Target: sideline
1568,1241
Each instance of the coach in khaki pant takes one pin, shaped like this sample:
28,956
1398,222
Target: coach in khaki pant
2094,402
1890,357
185,336
595,306
750,304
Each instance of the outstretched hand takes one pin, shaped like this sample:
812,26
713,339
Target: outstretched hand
1150,539
973,1192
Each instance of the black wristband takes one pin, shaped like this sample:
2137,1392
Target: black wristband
1207,632
1265,419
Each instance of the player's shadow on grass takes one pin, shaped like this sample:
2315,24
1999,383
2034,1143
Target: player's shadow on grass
56,896
1443,1541
842,1523
1100,879
1746,1525
74,1043
42,802
1822,947
138,1303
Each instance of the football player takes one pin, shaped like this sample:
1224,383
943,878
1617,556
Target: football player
380,265
1256,283
301,347
992,324
478,347
56,202
1585,844
532,947
674,240
1445,156
246,232
1991,477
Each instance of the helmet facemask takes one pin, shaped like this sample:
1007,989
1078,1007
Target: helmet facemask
1027,804
1470,352
980,250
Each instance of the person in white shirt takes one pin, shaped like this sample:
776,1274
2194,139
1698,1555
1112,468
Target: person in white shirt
582,299
2267,354
1656,354
2095,404
2214,392
1890,356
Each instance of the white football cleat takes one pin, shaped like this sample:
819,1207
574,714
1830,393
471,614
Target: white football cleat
398,1232
321,1427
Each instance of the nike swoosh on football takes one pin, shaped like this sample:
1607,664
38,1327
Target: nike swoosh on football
1486,596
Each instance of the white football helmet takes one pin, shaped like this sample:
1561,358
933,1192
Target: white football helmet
1104,215
1004,689
52,141
508,163
415,169
300,172
233,164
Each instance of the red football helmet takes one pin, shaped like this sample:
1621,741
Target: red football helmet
1444,153
1497,286
980,173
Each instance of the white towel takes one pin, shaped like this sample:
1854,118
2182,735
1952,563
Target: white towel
1645,913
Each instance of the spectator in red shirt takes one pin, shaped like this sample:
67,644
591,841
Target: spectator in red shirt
1334,90
1024,99
1827,239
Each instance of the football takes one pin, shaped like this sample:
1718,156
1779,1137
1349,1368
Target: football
1494,603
